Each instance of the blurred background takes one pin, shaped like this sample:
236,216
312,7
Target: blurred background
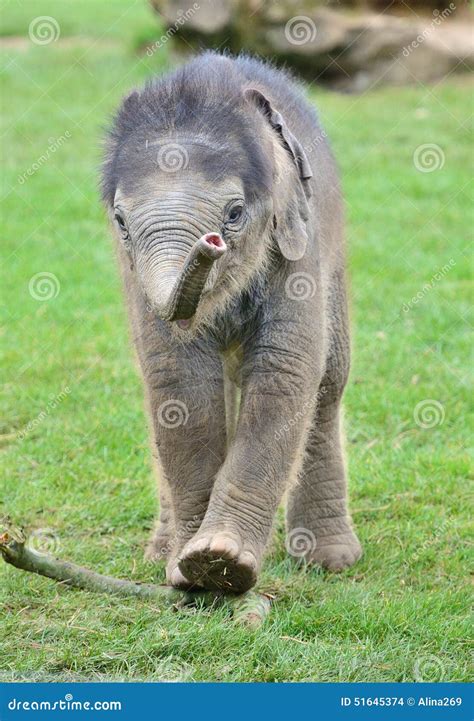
393,88
348,45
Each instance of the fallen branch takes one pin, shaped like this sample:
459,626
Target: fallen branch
249,609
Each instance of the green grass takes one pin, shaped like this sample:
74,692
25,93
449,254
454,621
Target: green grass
83,467
106,19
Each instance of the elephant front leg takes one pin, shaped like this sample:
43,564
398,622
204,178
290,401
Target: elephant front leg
188,413
227,551
161,541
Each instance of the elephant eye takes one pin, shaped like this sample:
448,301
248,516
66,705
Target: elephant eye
121,224
124,235
235,213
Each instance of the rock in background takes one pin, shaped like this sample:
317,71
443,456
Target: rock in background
344,45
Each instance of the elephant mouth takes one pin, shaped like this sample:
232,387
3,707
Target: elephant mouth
178,298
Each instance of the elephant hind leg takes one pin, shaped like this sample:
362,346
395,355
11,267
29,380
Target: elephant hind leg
319,526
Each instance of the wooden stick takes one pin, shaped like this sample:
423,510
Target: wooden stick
249,609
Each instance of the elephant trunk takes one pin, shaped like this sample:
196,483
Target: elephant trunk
175,296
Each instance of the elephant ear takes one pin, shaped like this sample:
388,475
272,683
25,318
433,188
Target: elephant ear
292,210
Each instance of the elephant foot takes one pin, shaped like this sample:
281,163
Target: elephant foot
219,561
336,552
158,547
168,538
175,578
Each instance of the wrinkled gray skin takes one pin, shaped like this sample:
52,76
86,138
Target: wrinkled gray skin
232,257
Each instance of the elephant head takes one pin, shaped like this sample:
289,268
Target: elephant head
199,189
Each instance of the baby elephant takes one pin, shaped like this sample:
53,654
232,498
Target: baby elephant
226,204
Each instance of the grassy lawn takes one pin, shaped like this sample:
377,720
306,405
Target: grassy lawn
75,457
